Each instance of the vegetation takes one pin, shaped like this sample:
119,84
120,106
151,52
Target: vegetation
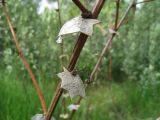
133,93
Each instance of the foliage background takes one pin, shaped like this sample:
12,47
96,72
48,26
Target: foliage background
135,54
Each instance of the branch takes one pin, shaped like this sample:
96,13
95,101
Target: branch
125,15
117,14
110,58
75,55
80,6
91,76
15,40
107,45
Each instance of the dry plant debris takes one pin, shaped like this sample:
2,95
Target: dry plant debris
77,24
72,83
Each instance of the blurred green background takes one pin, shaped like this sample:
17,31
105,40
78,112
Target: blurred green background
133,93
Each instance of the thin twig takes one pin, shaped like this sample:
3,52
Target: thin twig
15,40
117,14
110,59
75,55
108,43
60,25
144,1
115,26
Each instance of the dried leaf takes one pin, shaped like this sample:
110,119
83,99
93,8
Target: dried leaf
40,117
73,84
77,24
73,107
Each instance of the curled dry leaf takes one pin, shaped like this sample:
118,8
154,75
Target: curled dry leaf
73,84
40,117
73,107
77,24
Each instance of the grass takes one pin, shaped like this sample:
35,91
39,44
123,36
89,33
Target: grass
19,101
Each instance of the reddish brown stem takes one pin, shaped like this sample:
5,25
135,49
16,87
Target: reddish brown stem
75,55
115,26
107,45
25,61
80,6
117,14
